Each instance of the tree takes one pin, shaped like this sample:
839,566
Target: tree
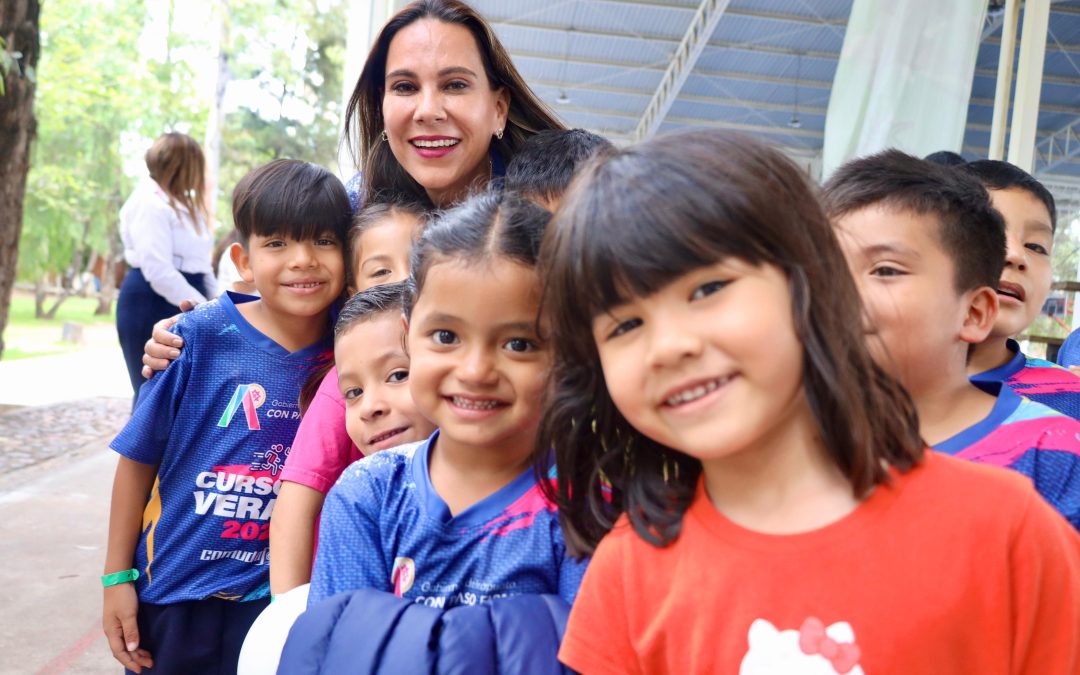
20,46
99,97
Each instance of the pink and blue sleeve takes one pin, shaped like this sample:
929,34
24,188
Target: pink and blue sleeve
322,448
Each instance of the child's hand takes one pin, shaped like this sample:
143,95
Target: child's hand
122,628
163,347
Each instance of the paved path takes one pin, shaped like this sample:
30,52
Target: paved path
57,415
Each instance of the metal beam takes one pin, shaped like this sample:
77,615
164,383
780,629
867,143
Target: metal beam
691,98
671,41
1058,147
698,34
622,66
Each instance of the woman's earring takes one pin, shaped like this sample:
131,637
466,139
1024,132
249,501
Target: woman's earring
383,136
499,134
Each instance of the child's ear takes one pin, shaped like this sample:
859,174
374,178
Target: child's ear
242,260
981,314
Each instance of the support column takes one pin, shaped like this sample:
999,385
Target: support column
1004,79
1029,77
365,20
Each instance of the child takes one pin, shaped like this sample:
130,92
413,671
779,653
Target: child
459,519
544,165
380,240
776,511
1028,209
926,248
201,457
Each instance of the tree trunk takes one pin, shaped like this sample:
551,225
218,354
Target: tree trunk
40,295
108,278
19,29
216,120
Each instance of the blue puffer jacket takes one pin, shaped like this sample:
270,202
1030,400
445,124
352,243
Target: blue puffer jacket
370,631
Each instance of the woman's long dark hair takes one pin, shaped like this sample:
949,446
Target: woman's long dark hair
638,220
384,176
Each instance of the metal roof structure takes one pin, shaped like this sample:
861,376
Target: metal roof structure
764,67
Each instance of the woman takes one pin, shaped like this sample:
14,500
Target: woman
439,109
167,242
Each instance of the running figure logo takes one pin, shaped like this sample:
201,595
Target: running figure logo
251,396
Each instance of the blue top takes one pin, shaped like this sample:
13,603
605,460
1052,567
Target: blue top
1037,379
384,527
355,185
1069,354
219,423
1029,438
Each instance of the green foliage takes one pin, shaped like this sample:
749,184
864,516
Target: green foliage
294,50
108,86
95,92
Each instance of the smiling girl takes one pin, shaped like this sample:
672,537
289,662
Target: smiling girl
459,518
752,487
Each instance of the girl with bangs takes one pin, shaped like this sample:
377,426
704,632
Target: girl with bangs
753,490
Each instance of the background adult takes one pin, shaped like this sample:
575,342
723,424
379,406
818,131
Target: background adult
167,243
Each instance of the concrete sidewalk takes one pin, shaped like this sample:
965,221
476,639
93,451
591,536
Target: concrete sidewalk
57,416
53,526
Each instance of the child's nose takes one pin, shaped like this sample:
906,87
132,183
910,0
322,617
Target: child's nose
669,345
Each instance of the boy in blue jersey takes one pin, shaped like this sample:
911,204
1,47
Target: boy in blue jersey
927,249
201,457
1029,213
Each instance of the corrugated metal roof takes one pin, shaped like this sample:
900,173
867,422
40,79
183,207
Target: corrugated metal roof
608,56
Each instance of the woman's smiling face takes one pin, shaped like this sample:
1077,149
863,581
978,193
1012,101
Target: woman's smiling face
439,109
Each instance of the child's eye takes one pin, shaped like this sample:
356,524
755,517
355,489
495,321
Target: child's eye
398,376
886,271
624,327
444,337
707,289
274,243
520,345
353,393
326,241
1037,248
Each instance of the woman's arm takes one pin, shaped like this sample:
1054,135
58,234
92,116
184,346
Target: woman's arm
131,487
152,237
292,536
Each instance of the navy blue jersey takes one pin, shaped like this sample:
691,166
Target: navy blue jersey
384,527
218,423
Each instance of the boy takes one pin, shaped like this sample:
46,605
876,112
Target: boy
1029,213
926,248
546,162
200,459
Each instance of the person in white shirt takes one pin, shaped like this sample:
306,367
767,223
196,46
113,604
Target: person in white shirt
167,240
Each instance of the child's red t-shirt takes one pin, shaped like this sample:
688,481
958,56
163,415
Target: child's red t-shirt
952,568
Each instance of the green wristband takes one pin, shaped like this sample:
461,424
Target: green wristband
119,577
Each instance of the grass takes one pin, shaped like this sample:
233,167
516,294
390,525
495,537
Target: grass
27,337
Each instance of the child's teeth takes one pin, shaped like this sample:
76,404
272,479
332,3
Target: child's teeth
474,405
694,394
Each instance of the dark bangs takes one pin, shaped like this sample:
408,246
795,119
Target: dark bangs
644,221
290,198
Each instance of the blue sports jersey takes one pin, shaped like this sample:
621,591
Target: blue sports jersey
219,423
384,527
1037,379
1030,438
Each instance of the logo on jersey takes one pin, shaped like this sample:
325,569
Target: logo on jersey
403,575
250,397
